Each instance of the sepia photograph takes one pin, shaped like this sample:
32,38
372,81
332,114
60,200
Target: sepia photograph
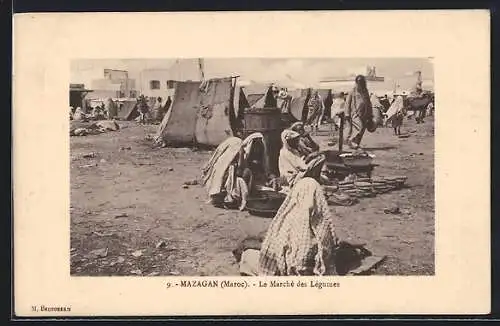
257,164
252,166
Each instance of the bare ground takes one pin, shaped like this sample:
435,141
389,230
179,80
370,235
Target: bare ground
128,201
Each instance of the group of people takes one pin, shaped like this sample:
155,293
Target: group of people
356,107
107,110
301,238
361,111
152,112
239,167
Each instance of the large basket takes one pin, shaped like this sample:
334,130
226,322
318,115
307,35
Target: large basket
357,160
265,203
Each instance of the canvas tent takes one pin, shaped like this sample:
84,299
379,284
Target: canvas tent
201,113
240,103
298,104
125,107
326,95
267,100
255,93
300,97
254,98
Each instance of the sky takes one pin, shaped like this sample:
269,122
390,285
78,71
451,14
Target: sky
302,70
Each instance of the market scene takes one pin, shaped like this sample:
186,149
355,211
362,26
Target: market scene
252,167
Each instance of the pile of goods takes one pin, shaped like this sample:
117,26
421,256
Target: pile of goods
78,128
385,184
355,187
357,158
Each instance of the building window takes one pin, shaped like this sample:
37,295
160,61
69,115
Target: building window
170,84
154,84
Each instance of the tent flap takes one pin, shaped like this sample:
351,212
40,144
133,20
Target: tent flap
178,126
213,119
126,108
197,115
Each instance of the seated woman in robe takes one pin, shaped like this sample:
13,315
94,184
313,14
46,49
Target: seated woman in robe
253,161
290,160
219,176
301,238
234,170
293,163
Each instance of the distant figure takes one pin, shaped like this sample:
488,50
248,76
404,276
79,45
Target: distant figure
385,102
111,108
417,90
338,107
377,107
143,109
157,109
315,111
397,122
397,114
422,110
98,113
358,112
430,108
79,115
271,99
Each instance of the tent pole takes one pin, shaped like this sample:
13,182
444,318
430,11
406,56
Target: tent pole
341,132
202,73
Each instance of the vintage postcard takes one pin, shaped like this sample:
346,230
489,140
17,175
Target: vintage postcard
251,163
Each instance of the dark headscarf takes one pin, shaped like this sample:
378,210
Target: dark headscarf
361,84
361,88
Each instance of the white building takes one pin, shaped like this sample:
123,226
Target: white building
161,82
115,84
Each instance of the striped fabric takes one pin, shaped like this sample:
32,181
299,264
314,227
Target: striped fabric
301,237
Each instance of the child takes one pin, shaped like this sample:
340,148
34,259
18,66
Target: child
397,122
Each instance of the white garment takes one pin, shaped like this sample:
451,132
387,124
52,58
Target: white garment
247,148
79,114
248,142
214,170
236,188
301,237
249,264
338,107
290,162
396,106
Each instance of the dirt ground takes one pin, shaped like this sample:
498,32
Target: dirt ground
130,214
